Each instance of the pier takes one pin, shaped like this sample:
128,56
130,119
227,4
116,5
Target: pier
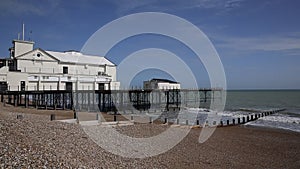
112,100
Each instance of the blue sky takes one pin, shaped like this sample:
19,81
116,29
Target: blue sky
258,41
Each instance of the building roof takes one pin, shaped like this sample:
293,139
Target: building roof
163,80
22,41
79,58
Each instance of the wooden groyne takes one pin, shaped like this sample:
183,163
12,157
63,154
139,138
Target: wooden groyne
222,123
248,118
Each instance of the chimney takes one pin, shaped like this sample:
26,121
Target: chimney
21,46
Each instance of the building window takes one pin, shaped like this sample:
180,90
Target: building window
65,70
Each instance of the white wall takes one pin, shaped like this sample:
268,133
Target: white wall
14,80
115,85
160,85
112,71
168,86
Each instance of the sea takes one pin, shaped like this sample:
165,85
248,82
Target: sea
247,101
243,103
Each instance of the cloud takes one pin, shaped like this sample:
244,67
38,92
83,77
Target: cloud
230,4
281,42
19,7
127,6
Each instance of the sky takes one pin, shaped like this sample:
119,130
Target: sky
258,41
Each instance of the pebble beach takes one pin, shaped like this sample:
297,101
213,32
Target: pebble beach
33,141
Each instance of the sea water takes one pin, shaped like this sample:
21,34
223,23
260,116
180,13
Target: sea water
243,103
262,100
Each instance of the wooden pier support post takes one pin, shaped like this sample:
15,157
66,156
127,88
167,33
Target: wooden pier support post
20,99
239,121
227,122
221,123
52,102
26,100
89,102
248,119
97,117
252,117
63,101
46,101
197,122
74,114
55,105
166,120
15,100
205,96
244,120
36,101
4,102
9,99
2,97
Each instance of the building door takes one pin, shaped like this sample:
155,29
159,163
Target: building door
69,86
3,86
23,85
101,86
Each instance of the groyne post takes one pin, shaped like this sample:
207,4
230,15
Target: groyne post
52,117
115,117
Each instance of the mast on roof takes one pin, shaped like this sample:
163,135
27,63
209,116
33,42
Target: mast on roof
23,29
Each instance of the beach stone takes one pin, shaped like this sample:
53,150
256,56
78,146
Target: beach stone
35,142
